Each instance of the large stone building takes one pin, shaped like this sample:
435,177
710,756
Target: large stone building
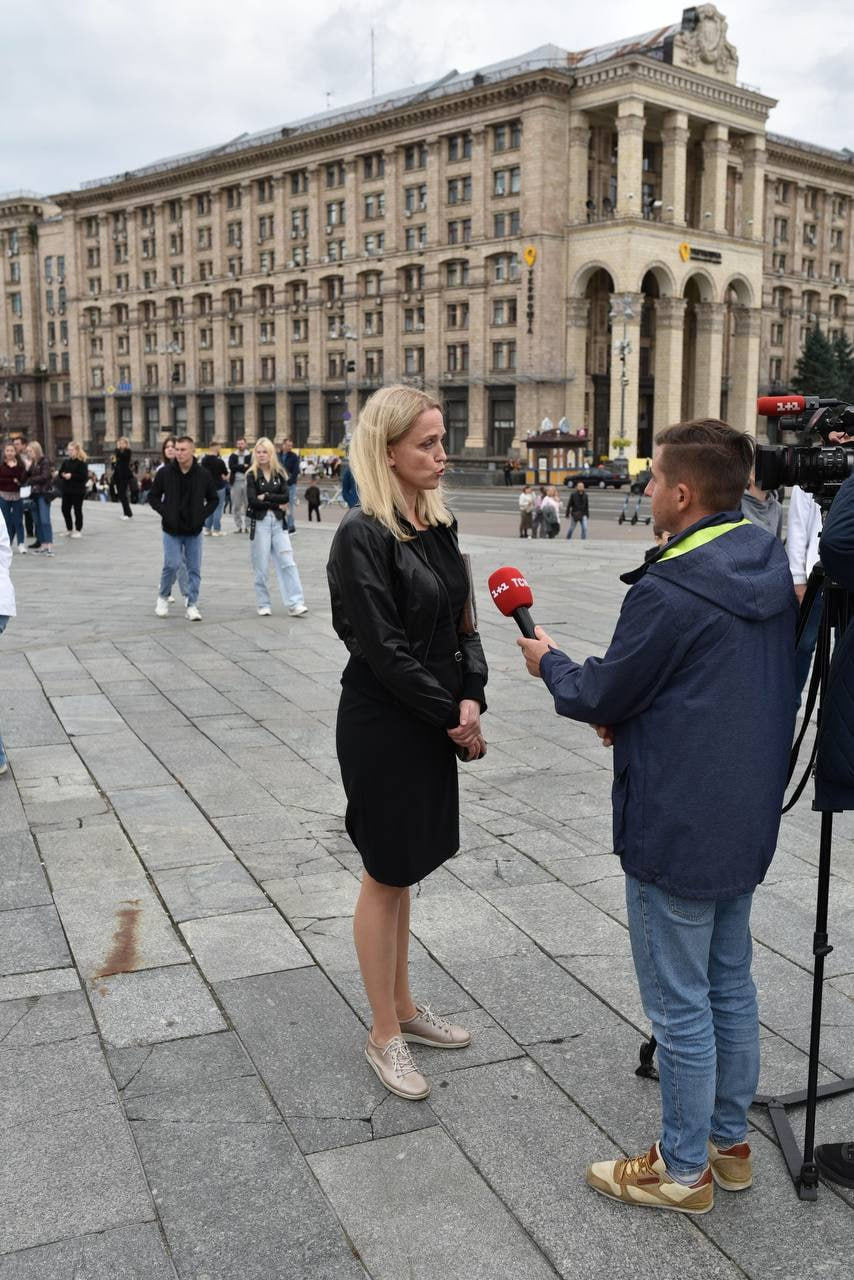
608,236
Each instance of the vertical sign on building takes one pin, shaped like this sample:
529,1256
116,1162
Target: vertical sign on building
530,256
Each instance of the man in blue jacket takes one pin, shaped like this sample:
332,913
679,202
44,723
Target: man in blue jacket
834,775
696,693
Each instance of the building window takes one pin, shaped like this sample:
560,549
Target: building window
97,378
146,215
373,166
504,311
206,269
781,230
336,174
775,368
206,373
15,304
233,197
264,190
266,261
505,266
459,146
265,227
808,267
777,335
782,191
235,335
373,324
176,276
507,137
778,262
374,365
413,278
457,357
810,198
234,234
374,243
415,198
299,182
457,273
235,267
415,156
235,371
413,359
299,329
203,203
459,231
268,368
267,331
809,233
506,224
415,237
120,251
506,182
205,339
504,356
413,320
457,315
152,375
204,237
93,258
375,205
459,190
95,286
91,227
175,208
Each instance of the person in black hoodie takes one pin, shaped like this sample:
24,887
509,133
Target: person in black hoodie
213,463
122,475
73,474
183,495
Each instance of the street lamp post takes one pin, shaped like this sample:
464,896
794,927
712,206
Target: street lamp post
621,307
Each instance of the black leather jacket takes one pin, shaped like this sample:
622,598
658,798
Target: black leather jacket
276,489
386,602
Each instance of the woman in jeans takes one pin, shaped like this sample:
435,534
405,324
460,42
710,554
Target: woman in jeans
73,474
266,500
41,484
13,474
122,475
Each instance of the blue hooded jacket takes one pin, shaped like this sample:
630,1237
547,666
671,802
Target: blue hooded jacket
698,685
834,773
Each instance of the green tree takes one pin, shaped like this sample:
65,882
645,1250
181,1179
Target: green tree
843,352
816,370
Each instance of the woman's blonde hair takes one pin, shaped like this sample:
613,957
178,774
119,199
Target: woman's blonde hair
82,456
123,443
384,421
36,451
275,466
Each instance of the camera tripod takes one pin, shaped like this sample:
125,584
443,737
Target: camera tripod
801,1164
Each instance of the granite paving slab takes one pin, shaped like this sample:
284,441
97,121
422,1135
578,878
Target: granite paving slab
117,928
43,1019
50,1079
560,920
154,1005
28,719
243,944
78,857
214,888
22,880
132,1253
31,938
21,986
167,828
87,713
118,761
179,1064
384,1191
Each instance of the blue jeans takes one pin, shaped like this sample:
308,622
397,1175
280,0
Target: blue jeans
179,550
13,514
41,516
271,539
291,507
692,959
4,618
573,521
214,520
806,645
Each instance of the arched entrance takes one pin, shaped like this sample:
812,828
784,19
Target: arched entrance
600,286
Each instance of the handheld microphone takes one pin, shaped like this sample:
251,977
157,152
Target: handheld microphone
513,597
774,406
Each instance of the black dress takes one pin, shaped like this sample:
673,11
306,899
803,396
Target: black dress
399,770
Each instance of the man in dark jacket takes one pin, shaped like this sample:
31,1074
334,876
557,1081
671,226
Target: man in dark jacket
183,495
578,510
700,760
290,461
834,774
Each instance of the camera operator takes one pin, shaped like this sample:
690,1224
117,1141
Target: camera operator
834,774
700,763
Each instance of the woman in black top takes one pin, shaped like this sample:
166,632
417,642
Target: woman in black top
73,475
412,696
122,475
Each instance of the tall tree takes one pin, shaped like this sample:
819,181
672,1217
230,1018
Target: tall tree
816,370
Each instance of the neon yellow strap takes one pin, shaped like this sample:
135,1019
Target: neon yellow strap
701,537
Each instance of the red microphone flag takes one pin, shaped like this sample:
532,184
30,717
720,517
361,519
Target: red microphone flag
510,591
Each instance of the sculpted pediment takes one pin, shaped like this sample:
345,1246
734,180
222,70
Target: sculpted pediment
701,44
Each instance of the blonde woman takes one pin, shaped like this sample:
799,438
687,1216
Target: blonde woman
73,474
266,507
41,494
412,697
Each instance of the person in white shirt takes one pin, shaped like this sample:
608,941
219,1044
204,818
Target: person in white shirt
526,508
802,535
7,604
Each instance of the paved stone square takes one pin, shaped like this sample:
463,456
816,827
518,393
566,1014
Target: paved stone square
182,1086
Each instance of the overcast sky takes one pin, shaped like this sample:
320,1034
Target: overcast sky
95,87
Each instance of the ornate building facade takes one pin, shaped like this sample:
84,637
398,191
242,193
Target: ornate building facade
610,237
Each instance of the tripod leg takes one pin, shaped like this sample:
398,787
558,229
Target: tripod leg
821,949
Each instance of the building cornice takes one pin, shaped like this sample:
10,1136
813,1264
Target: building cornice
293,151
823,164
676,80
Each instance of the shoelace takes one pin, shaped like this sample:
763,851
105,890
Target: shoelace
432,1019
635,1167
401,1059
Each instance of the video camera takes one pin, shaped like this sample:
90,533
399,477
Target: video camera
819,469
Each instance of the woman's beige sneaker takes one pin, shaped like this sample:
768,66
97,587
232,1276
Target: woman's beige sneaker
428,1028
395,1068
732,1167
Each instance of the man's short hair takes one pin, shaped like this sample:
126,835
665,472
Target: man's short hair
710,456
185,440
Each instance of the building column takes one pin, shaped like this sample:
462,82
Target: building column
316,424
669,325
753,187
624,408
577,320
193,424
708,366
579,144
629,158
476,438
250,418
674,137
745,368
715,158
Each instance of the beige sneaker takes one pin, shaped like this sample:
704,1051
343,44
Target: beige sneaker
395,1068
428,1028
732,1167
644,1181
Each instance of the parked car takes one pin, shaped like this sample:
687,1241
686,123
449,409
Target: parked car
641,480
593,477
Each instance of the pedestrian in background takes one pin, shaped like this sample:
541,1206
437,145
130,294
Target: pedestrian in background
802,536
238,464
22,452
349,489
550,513
184,496
13,475
312,500
42,493
167,454
73,476
578,510
218,471
122,472
290,462
267,498
537,513
7,604
761,507
526,511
